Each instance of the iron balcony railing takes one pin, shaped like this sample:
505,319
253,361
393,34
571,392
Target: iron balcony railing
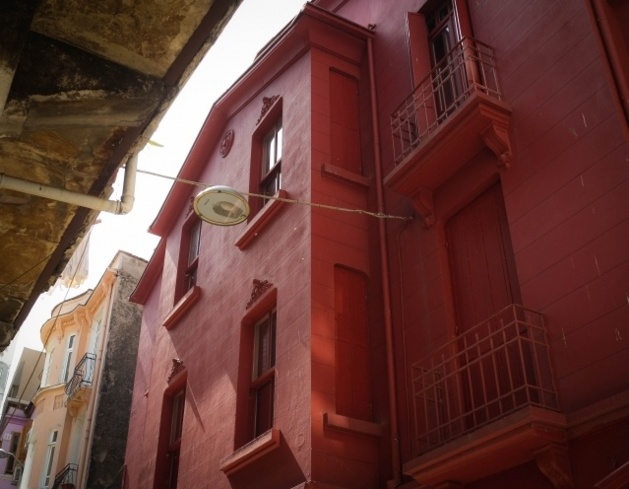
66,477
494,369
83,373
468,68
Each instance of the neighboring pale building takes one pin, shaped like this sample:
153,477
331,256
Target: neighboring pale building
81,414
16,414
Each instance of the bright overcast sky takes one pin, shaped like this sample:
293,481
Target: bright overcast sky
252,26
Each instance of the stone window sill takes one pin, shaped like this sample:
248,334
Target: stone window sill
253,450
182,307
261,220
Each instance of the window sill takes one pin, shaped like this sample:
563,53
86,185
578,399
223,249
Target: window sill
332,421
182,307
261,220
253,450
338,173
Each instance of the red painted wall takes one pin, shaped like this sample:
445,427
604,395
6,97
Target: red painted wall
565,196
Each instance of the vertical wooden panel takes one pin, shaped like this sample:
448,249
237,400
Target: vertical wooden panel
481,259
353,389
344,122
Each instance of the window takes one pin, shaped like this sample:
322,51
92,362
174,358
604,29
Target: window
169,448
271,165
174,445
189,256
13,447
47,365
67,364
48,464
263,375
443,35
267,142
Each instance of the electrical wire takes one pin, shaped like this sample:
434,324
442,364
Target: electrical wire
379,215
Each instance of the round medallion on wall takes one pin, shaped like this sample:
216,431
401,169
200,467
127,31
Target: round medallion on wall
226,143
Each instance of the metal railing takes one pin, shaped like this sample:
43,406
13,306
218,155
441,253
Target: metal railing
494,369
67,475
469,67
83,373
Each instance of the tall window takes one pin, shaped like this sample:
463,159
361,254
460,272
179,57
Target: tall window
443,35
13,448
48,462
47,365
68,359
189,256
174,443
271,167
263,375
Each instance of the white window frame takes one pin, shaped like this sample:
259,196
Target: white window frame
50,457
68,357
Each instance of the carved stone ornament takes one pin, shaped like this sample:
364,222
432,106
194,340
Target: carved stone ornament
226,143
267,102
259,288
175,368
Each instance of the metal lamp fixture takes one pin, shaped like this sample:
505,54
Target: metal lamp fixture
221,205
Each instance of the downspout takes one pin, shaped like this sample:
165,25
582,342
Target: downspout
122,206
83,463
384,264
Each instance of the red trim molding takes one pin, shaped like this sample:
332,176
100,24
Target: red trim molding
182,307
261,221
253,450
333,421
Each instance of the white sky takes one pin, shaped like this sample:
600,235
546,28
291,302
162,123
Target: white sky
252,26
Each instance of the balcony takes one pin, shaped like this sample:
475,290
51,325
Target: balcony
78,386
65,478
448,118
486,401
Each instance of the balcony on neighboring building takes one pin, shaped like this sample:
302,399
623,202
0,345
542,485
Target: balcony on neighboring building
449,117
79,385
486,401
66,477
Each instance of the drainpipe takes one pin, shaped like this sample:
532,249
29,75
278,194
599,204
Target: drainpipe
122,206
384,264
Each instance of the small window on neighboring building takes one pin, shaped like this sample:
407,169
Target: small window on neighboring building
13,448
271,165
67,364
189,256
263,375
47,479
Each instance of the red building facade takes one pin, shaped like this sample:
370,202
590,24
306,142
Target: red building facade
479,341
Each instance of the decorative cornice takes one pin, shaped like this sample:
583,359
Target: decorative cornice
267,103
259,288
176,367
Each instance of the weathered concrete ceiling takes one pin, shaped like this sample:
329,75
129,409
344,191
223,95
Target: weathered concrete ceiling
83,85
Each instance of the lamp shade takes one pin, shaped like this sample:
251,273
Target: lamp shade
221,206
